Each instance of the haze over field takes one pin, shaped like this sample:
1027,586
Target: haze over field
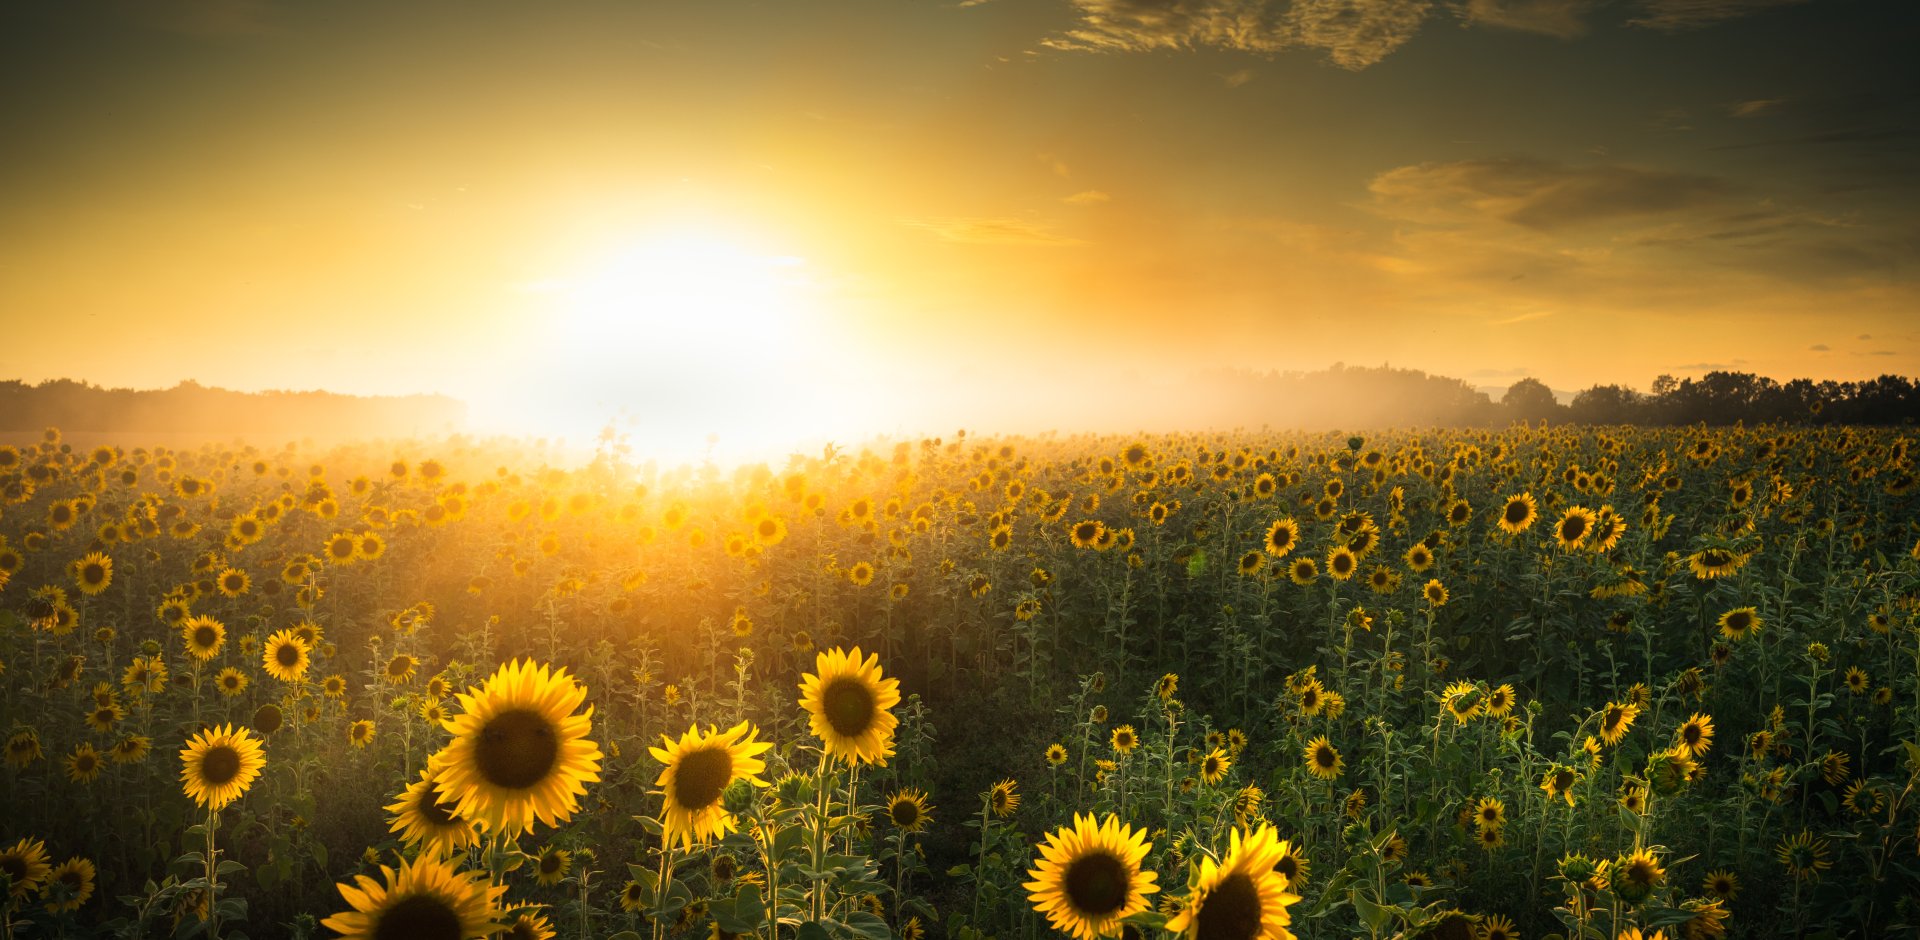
781,221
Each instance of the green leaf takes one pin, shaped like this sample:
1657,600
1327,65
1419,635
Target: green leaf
1375,916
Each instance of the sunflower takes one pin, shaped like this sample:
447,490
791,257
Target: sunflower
909,811
633,897
104,715
1088,877
551,865
1559,781
1695,736
70,885
426,898
1722,884
1323,760
848,702
422,816
699,769
519,753
231,682
204,637
1281,537
1463,701
131,749
1615,719
335,687
1635,875
1251,563
528,925
1214,766
233,582
286,656
1490,813
399,670
1056,754
1293,863
1303,571
1419,558
1124,739
1086,533
1500,700
1857,680
1804,856
93,573
1341,563
1740,623
219,764
83,765
1435,593
1003,799
1571,532
1517,514
1711,563
25,865
1241,897
360,733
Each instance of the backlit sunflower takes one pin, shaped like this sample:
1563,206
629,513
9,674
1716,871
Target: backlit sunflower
1241,897
1804,856
70,885
25,865
1004,798
519,753
1214,766
699,769
1303,571
360,733
1088,877
848,703
1635,875
1571,532
1559,781
1722,884
1711,563
1323,759
1740,623
1124,739
1341,563
422,816
93,573
1517,514
552,864
83,765
426,899
219,764
400,669
1695,735
1281,537
231,682
286,656
1615,719
908,810
204,636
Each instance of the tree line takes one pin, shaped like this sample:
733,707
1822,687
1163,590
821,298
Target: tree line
194,409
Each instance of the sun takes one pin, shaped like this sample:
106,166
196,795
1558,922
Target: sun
689,288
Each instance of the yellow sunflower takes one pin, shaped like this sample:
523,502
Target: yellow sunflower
909,811
848,702
1518,513
70,885
1740,623
93,573
1616,719
700,768
426,899
1088,877
1281,538
1575,525
1004,798
1695,736
26,866
422,816
219,764
1323,759
519,753
204,636
1241,897
286,656
1214,766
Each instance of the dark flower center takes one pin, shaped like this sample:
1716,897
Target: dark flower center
287,655
1231,910
848,706
418,917
905,813
1325,757
435,810
220,765
516,750
15,867
1096,885
204,636
701,776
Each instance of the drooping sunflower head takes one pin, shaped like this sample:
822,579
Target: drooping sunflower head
1636,874
1003,798
426,898
1088,877
519,752
1615,719
25,865
219,764
422,816
699,769
909,811
1242,897
848,702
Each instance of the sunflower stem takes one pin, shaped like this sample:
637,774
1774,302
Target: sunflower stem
213,877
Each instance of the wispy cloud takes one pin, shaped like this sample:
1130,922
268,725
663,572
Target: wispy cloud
1089,197
1756,107
1674,15
1523,318
993,231
1354,34
1563,19
1537,194
1237,77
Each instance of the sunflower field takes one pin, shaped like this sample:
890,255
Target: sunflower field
1533,682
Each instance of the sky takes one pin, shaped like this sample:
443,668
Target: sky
847,215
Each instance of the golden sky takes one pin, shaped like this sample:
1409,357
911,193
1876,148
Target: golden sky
760,214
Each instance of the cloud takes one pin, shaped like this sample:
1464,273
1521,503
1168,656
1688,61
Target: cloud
993,231
1535,194
1088,198
1820,347
1054,164
1563,19
1523,318
1353,33
1238,77
1674,15
1756,107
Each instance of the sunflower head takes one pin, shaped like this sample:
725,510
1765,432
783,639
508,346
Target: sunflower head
519,751
699,769
219,764
848,702
1242,897
909,811
426,898
1088,877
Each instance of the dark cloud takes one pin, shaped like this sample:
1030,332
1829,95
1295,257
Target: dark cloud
1564,19
1693,14
1820,347
1537,194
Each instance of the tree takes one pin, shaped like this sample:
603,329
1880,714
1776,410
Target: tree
1531,400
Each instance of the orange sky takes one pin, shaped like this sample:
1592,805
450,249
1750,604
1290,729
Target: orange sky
924,200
